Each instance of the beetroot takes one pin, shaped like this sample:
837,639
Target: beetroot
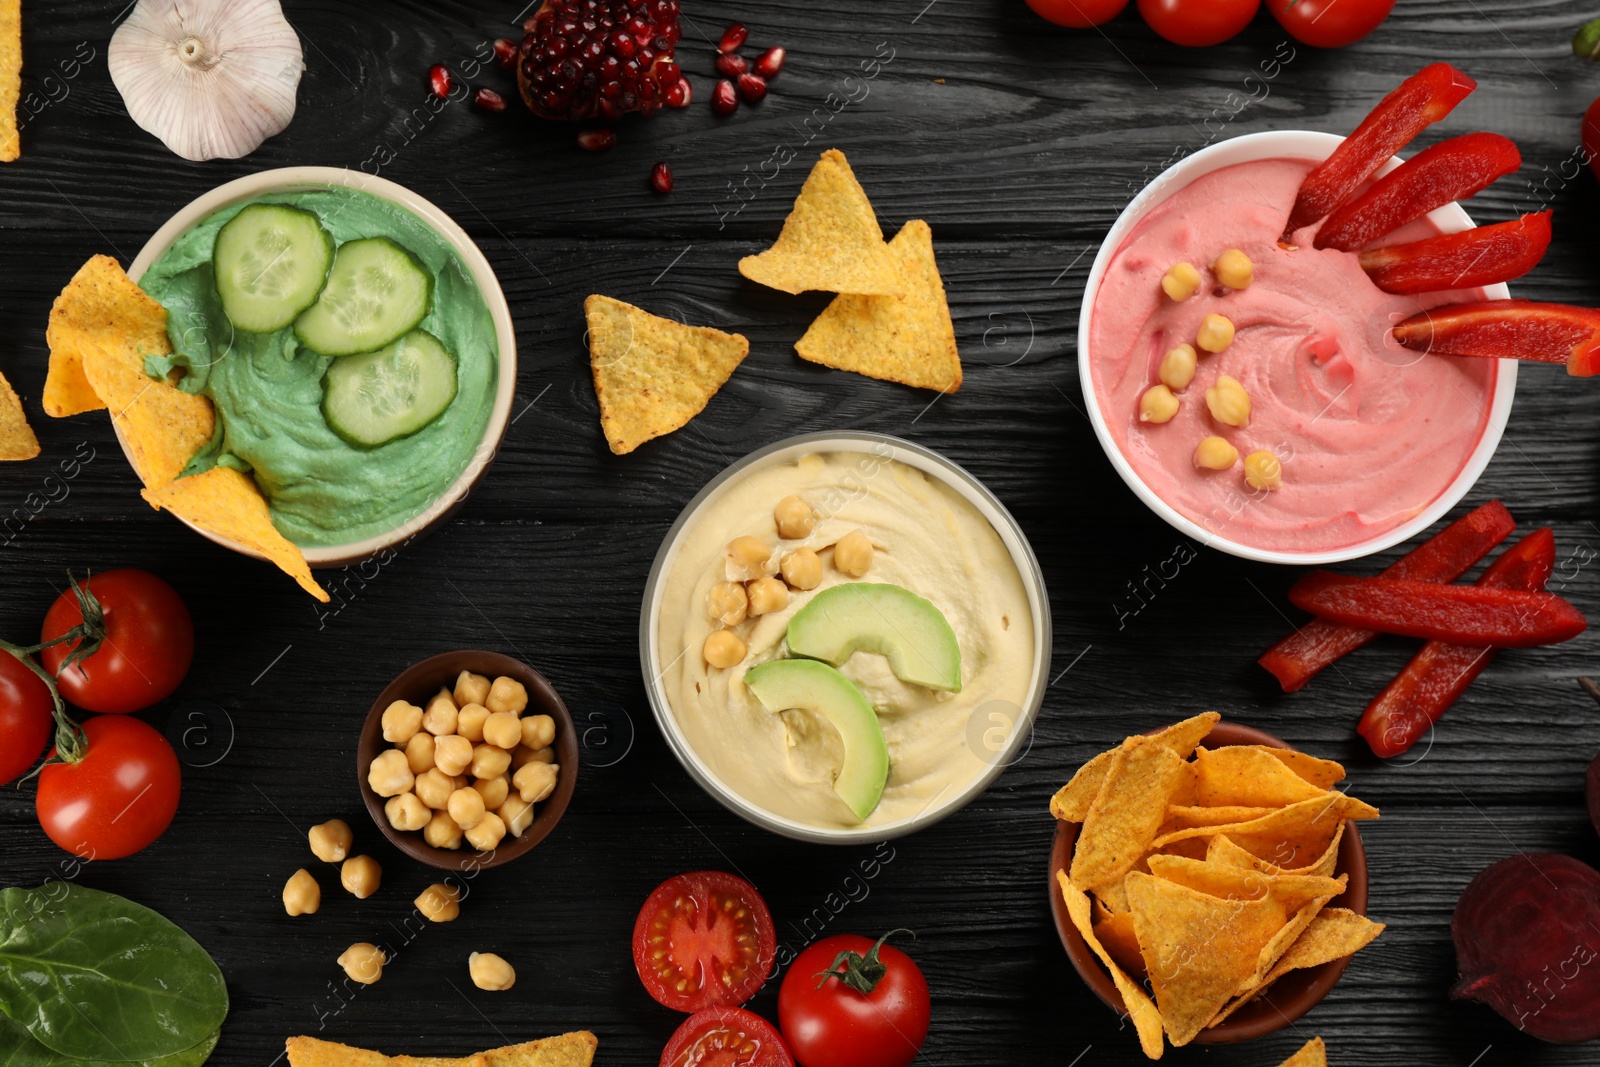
1527,934
1591,789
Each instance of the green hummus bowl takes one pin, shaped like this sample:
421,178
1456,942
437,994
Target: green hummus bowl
338,502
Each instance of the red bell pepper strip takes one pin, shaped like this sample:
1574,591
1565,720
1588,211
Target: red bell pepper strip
1509,329
1441,672
1450,170
1461,614
1444,557
1416,103
1482,255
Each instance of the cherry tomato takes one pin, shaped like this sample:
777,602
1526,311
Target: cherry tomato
26,717
1330,23
1079,14
1591,137
118,798
839,1025
704,940
147,650
726,1037
1198,23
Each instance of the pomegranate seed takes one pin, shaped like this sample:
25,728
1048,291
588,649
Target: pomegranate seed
488,100
770,63
604,58
753,88
732,66
680,94
724,101
661,178
440,81
597,140
505,52
732,37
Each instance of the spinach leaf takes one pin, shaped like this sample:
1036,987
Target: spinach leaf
93,976
19,1049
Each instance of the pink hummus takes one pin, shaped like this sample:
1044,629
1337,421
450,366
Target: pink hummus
1368,433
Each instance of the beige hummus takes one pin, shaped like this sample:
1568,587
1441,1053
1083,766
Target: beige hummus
928,539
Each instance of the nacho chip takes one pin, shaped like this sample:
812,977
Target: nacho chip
16,436
1236,883
1332,935
1224,850
652,375
227,503
99,303
1116,934
10,78
908,339
312,1052
1182,815
830,241
1247,775
1137,1003
1313,1054
1113,896
1322,773
568,1050
1127,814
1072,800
1308,826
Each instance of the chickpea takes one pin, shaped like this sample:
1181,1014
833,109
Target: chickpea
538,731
525,755
1234,269
507,694
466,808
401,720
301,894
331,840
493,790
1215,333
419,752
363,962
536,781
470,720
440,718
802,569
442,831
853,554
440,903
1229,403
502,730
1263,471
489,832
490,972
361,876
406,812
768,595
795,518
1181,281
723,649
517,814
434,787
1177,368
1157,405
452,754
489,762
470,689
727,603
749,557
1215,454
390,774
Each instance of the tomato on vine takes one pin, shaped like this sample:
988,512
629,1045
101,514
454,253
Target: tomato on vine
1198,23
26,717
118,642
1078,14
848,1001
117,797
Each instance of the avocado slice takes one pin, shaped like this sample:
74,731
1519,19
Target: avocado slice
816,687
887,619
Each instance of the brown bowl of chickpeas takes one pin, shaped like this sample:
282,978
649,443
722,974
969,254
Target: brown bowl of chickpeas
467,760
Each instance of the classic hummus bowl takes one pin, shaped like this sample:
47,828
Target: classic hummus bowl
1375,442
949,576
469,309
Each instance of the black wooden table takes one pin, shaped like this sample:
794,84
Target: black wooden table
1019,144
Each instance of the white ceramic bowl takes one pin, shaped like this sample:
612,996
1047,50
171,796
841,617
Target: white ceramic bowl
296,179
942,470
1277,144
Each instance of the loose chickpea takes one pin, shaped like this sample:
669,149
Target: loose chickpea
1263,471
723,649
361,876
507,694
330,841
419,752
363,962
727,603
390,774
1215,333
466,808
1234,269
490,762
489,832
802,569
768,595
1157,405
470,720
301,894
401,720
1181,281
749,557
493,790
440,718
406,812
1215,454
517,814
442,831
538,731
1177,368
1229,403
452,754
439,903
434,787
490,972
470,689
502,730
536,781
853,554
795,518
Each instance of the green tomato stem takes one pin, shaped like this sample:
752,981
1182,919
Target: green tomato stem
1586,42
71,744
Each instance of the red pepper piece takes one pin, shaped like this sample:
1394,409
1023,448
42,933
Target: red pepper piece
1509,329
1462,614
1444,557
1482,255
1416,103
1441,672
1451,170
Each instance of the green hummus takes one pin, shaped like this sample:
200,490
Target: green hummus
268,390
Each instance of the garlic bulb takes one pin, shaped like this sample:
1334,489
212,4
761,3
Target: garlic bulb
211,78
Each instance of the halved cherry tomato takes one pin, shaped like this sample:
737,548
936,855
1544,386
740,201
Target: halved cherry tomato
147,647
704,940
1330,23
872,1009
118,798
1198,23
26,717
726,1037
1079,14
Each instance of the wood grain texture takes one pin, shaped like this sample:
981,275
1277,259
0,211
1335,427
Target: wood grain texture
1019,144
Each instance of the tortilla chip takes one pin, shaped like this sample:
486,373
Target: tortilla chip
1247,775
16,436
908,339
1236,883
97,302
1313,1054
1301,826
228,503
1334,934
1072,800
568,1050
652,375
1322,773
1116,934
1137,1003
10,78
1127,814
830,241
1182,815
311,1052
1113,896
1224,850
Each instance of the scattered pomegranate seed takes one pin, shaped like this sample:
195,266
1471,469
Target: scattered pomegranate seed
599,58
679,95
597,140
770,63
661,178
724,101
440,81
731,65
505,52
753,88
733,37
488,100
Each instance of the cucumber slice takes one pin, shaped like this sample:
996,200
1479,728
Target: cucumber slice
270,262
372,399
377,292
